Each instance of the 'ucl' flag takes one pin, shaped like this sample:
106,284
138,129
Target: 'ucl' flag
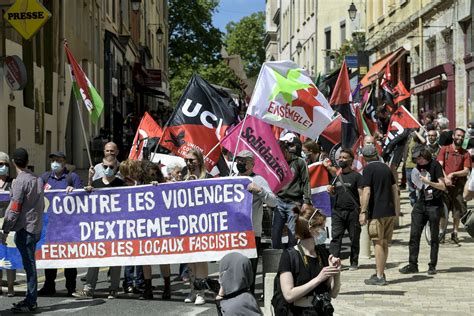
257,137
83,88
285,96
201,117
147,129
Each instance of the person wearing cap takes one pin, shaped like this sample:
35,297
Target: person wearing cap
262,194
379,207
427,208
24,216
294,194
59,178
5,186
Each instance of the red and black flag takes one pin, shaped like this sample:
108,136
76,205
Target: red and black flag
330,139
400,93
341,101
387,90
200,119
369,113
147,130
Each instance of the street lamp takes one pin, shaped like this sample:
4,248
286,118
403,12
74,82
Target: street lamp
352,11
159,34
136,5
299,47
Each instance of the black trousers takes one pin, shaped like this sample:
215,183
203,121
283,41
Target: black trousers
342,220
254,262
420,215
69,273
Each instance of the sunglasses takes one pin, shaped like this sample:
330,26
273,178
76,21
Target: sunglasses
108,166
3,164
190,160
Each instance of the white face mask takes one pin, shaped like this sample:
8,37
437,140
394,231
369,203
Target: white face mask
56,166
320,239
109,172
4,170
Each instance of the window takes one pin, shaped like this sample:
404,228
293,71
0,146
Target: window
343,31
448,39
327,37
431,47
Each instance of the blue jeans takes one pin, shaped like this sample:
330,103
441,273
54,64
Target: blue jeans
411,186
26,244
128,276
282,214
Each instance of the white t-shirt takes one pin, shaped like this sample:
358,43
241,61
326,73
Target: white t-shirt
471,182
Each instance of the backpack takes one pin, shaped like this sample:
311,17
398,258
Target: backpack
280,305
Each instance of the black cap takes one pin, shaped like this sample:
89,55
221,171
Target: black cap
58,154
20,156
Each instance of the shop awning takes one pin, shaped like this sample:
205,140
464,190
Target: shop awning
427,85
378,67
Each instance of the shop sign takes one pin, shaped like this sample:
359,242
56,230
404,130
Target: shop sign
15,72
27,17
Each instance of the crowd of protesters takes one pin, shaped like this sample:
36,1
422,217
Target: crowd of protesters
436,160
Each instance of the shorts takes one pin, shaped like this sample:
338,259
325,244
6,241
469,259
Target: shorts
381,228
454,200
397,155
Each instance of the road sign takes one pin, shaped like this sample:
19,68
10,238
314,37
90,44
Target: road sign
27,17
351,61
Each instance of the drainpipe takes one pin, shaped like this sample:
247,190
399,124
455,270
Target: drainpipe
316,39
420,27
61,78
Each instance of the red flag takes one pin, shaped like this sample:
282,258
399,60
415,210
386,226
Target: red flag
402,119
400,93
369,113
147,129
387,89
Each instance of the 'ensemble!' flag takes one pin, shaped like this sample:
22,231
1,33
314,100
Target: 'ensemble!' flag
285,96
341,101
319,180
257,137
400,93
147,130
83,88
200,119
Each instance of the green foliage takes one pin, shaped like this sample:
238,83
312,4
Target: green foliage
350,47
245,38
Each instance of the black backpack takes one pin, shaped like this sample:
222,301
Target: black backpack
280,305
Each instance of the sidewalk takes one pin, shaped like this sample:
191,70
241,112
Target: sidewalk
450,292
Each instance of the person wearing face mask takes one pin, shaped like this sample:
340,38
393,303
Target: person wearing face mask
108,180
427,208
262,193
311,151
317,277
59,178
110,149
5,186
345,216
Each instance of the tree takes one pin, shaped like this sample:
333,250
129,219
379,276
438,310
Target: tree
245,38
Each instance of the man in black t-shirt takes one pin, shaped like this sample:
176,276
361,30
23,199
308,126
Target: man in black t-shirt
426,209
379,205
345,214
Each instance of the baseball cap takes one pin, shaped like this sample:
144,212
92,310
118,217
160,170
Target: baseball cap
20,156
245,154
288,137
369,151
58,154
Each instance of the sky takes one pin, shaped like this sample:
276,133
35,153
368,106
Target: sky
234,10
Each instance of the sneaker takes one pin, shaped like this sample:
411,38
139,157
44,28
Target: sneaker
129,289
82,295
409,268
44,291
191,298
353,267
442,238
112,295
83,279
23,307
376,281
200,300
431,270
454,238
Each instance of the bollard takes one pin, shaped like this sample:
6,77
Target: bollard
364,252
268,293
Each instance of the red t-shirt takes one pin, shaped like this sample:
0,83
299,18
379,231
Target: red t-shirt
454,159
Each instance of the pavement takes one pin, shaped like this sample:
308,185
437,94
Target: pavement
450,292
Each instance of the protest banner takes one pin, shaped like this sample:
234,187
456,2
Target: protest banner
257,137
169,223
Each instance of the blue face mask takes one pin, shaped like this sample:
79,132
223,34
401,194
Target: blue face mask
321,238
109,172
56,166
3,170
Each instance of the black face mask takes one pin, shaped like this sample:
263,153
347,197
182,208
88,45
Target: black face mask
423,167
343,164
241,167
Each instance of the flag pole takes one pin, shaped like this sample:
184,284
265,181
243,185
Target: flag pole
84,134
238,141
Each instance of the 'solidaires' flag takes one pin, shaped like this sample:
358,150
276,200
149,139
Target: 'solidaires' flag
319,180
341,101
83,88
285,96
201,117
257,137
147,130
400,93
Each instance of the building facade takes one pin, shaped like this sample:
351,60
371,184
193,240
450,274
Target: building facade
110,40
